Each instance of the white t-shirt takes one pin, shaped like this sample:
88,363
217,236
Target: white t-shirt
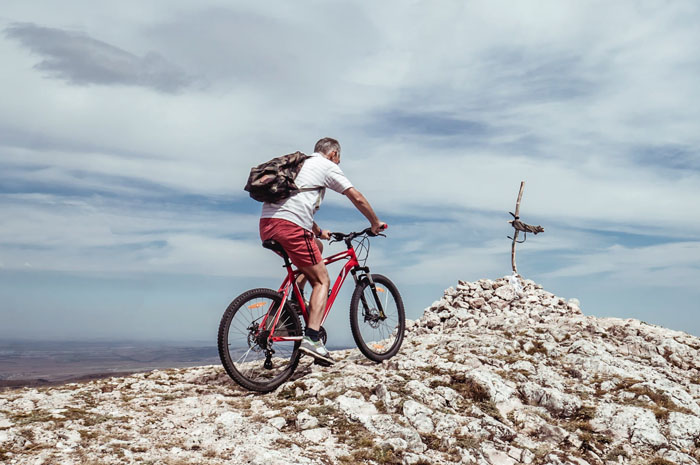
300,208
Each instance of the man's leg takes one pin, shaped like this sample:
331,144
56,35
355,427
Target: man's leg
317,276
311,344
301,280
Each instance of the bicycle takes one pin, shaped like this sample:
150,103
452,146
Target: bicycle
260,331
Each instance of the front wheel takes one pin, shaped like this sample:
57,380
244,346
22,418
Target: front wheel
377,318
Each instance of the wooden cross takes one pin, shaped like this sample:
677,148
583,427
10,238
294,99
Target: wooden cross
520,226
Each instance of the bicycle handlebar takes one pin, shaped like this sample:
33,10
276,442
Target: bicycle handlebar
339,236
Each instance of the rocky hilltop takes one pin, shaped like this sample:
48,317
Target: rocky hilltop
486,376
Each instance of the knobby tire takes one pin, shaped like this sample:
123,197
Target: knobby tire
244,360
383,341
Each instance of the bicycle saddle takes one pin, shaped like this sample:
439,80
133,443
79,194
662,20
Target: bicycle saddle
275,247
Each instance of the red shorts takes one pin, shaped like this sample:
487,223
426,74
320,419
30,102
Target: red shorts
299,243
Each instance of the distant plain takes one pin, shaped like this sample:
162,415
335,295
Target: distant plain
32,363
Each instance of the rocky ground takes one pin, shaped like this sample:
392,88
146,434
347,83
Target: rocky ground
485,376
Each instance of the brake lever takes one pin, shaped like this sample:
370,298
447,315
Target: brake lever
336,237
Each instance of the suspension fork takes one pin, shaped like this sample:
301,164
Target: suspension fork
366,275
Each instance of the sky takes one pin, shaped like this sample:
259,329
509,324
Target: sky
127,131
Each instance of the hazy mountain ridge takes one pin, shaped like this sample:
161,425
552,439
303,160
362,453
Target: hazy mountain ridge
485,376
31,363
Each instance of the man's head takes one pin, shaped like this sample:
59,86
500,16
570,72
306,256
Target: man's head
329,148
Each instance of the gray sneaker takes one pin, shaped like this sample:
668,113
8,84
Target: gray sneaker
317,350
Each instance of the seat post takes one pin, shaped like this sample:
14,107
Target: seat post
277,248
287,263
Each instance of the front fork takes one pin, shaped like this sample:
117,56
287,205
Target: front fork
366,275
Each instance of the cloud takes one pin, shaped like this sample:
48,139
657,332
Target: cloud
306,48
82,60
673,264
401,122
102,235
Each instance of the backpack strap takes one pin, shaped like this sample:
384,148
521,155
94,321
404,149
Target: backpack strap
308,189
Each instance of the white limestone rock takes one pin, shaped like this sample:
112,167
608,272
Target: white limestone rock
430,320
419,416
555,401
316,434
677,457
494,385
637,424
672,391
306,421
683,430
388,427
497,457
506,293
356,409
277,422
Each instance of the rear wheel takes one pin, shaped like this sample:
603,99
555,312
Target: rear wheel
378,335
248,357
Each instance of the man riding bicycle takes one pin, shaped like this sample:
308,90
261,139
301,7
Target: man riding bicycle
291,223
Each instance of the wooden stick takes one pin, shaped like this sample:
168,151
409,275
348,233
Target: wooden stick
515,236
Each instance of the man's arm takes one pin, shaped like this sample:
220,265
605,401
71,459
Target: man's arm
365,208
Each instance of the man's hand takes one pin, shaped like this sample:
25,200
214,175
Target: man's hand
378,227
325,234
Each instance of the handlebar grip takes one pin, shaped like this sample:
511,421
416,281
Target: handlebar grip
369,232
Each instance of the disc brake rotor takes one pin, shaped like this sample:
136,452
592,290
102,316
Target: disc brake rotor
373,318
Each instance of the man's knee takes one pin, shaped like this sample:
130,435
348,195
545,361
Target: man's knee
317,274
324,279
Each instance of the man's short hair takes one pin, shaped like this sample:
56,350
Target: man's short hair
327,144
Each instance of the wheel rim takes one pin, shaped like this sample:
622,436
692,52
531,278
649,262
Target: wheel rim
380,335
252,356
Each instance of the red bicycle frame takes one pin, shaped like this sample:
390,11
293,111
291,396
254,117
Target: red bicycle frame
290,282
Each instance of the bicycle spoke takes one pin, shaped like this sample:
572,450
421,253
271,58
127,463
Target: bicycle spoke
244,355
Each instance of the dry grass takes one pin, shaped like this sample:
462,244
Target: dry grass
3,454
289,392
573,372
35,416
332,394
615,453
663,405
581,420
284,443
376,454
538,348
660,461
88,436
469,389
626,383
592,439
433,442
351,433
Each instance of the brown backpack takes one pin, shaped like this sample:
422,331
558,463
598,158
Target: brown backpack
273,181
